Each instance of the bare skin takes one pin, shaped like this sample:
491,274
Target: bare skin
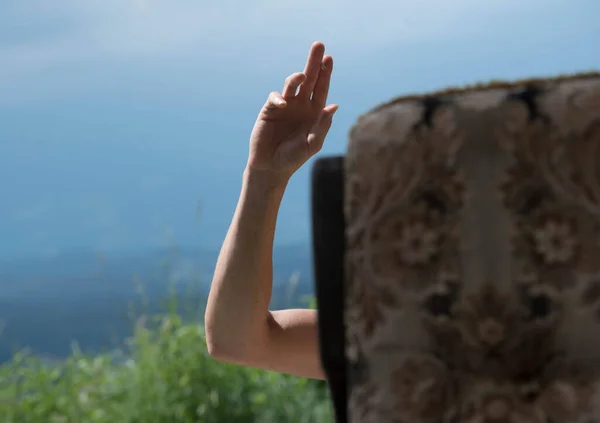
290,129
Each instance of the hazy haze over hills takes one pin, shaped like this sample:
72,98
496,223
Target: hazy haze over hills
46,303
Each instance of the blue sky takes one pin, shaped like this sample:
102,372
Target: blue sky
124,124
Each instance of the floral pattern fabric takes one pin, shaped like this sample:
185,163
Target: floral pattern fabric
473,256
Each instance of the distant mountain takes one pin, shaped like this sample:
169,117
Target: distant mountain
91,298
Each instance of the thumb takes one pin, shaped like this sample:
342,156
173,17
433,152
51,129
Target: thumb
317,135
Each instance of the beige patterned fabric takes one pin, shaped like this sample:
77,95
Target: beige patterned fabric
473,256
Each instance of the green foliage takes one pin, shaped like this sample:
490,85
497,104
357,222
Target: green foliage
165,375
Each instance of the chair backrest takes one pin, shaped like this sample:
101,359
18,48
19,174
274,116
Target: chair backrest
457,257
328,252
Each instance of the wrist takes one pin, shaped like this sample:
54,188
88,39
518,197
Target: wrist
261,195
265,180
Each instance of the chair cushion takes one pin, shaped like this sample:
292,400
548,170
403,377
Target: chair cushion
472,256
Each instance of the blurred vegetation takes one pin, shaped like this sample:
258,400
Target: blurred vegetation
164,375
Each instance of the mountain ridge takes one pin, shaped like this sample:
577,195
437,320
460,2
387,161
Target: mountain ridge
81,295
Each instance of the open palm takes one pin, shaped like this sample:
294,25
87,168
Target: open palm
292,125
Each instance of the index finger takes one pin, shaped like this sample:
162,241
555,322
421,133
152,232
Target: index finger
313,66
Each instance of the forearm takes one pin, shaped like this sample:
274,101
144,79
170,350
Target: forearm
237,312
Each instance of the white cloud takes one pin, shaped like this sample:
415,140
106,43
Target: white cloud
100,29
72,33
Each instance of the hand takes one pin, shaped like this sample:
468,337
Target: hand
292,125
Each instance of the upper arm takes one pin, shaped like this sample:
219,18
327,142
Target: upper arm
291,344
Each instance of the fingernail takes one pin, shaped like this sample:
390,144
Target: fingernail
323,67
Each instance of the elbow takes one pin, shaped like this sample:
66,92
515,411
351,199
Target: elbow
216,348
214,345
229,347
222,346
227,351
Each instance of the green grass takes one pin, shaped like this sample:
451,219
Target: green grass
168,377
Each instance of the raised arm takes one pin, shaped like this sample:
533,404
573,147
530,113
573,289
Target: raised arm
290,128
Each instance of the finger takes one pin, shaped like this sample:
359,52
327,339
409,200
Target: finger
321,90
275,101
292,83
313,66
316,138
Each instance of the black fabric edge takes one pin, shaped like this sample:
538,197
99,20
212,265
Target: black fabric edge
328,231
